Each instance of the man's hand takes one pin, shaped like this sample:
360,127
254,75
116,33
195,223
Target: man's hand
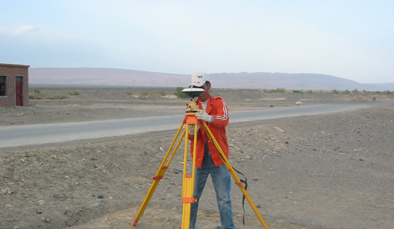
202,115
191,129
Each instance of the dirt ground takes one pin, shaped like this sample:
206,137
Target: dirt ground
326,171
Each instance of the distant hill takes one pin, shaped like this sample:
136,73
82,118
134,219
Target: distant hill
258,80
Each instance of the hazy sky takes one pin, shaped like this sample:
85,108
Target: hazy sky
344,38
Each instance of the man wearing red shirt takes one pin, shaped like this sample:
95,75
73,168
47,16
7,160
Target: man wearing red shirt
208,160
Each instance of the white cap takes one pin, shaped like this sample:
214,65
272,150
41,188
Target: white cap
199,79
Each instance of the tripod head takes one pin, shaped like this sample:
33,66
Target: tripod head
192,93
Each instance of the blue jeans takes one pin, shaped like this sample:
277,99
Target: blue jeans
221,179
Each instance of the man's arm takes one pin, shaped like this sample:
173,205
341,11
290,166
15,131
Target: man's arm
221,118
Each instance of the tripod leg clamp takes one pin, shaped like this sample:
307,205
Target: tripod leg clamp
157,177
189,200
239,184
161,172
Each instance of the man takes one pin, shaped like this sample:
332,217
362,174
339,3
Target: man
208,159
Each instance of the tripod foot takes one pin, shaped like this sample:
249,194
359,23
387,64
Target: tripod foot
135,221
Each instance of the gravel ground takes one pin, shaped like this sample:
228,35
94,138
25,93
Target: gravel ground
327,171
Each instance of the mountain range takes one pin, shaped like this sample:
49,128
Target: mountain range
243,80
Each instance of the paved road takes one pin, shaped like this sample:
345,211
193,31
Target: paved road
12,136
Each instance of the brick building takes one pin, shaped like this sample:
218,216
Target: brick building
14,85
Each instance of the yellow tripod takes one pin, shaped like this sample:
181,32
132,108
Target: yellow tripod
188,179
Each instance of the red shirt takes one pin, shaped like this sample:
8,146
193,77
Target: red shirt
217,108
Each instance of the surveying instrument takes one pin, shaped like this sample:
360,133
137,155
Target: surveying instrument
188,179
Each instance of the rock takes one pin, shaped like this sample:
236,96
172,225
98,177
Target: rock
5,191
177,171
71,223
58,196
279,129
45,220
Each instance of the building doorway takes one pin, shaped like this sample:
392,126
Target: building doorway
19,90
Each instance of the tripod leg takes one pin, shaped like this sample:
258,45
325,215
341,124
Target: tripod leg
188,180
234,175
159,175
